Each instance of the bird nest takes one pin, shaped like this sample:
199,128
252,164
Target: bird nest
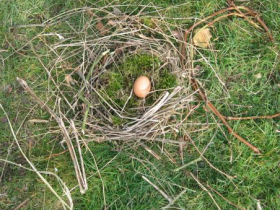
102,58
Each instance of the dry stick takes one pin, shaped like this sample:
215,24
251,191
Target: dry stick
234,7
253,117
228,201
11,145
188,164
175,199
148,149
238,9
63,129
159,190
56,154
204,188
226,16
22,204
221,117
207,161
230,130
70,205
255,15
195,83
186,34
84,177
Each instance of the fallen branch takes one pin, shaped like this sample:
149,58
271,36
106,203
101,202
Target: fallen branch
196,86
253,117
255,15
239,13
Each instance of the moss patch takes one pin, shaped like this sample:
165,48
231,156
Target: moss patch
117,82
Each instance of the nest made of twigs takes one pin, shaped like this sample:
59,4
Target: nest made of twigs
104,43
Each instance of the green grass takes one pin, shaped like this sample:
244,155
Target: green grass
243,52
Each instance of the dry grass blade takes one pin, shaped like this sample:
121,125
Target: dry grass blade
81,179
205,189
170,200
66,191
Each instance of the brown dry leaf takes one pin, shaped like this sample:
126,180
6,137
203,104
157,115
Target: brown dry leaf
8,89
202,37
69,80
116,11
101,28
178,34
90,13
258,76
112,23
3,120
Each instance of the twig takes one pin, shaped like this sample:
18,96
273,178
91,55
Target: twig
196,86
253,117
230,130
56,154
188,164
230,8
175,199
65,133
228,201
256,16
207,161
232,4
170,200
194,82
205,189
22,204
70,205
83,173
149,150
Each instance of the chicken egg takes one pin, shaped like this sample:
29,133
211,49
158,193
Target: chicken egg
142,86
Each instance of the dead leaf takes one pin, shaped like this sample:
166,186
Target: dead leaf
202,37
177,34
116,11
258,76
90,13
69,80
112,23
101,28
3,119
8,89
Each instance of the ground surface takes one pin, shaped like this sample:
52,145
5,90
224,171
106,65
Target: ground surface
244,59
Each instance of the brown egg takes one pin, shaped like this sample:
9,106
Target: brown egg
142,86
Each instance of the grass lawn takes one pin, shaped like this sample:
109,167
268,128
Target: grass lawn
243,59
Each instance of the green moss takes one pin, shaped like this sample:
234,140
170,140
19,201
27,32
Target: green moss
117,120
137,65
115,83
148,22
166,80
118,81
